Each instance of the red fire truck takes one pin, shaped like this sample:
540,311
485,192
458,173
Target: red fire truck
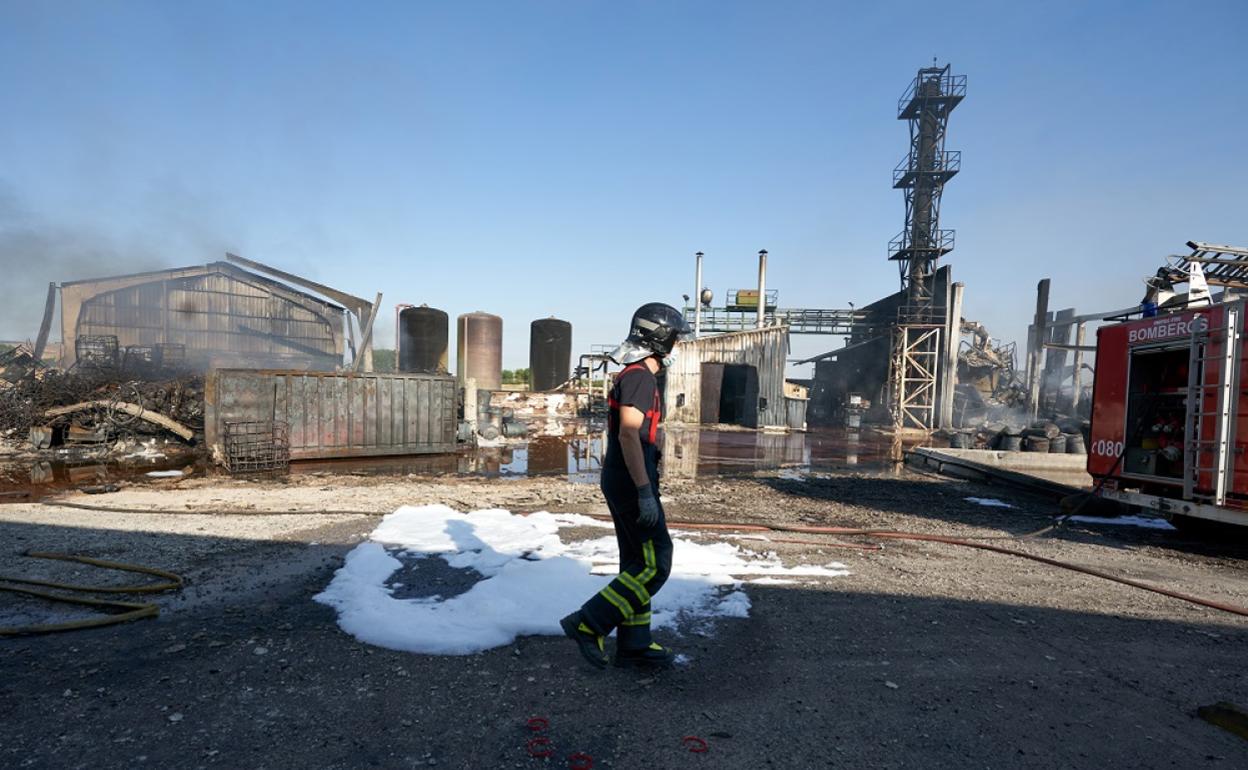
1168,411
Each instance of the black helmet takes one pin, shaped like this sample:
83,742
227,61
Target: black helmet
654,330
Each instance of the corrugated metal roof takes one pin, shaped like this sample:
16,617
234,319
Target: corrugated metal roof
101,279
193,270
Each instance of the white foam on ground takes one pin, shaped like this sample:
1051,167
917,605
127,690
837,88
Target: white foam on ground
989,502
529,579
164,474
1148,522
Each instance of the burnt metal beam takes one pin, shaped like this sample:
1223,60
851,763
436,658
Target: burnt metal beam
838,352
948,372
366,344
45,327
1035,352
357,305
1102,316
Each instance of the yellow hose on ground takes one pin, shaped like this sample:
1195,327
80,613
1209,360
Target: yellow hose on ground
127,611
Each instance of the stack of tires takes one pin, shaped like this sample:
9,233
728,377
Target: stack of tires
1066,437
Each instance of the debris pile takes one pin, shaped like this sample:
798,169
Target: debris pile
554,413
990,403
93,404
989,387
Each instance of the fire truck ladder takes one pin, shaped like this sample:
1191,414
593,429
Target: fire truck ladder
1220,422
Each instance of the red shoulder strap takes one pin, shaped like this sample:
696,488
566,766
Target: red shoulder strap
654,414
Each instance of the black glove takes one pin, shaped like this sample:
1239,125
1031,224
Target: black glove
648,506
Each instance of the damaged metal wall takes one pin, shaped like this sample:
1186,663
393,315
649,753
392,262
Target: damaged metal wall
221,314
764,349
862,367
336,415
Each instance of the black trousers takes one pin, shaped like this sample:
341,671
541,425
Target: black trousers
645,560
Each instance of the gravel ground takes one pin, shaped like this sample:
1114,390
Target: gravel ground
927,655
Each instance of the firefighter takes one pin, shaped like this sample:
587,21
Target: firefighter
630,484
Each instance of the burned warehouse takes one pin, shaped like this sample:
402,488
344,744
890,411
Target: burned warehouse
211,315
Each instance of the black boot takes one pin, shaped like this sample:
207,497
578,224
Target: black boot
590,643
654,656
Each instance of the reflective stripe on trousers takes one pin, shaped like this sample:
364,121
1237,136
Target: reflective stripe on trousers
645,561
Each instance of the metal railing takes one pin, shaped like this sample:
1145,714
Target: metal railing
921,315
799,320
942,86
900,246
943,165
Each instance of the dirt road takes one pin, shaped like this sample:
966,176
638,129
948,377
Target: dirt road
924,656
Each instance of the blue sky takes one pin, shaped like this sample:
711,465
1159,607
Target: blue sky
568,158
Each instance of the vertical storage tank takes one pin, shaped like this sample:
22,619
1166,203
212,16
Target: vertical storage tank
423,340
550,353
480,355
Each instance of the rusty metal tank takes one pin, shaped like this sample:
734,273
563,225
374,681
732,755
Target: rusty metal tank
480,354
423,340
550,353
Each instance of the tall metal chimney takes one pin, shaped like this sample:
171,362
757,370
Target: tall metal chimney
697,298
762,288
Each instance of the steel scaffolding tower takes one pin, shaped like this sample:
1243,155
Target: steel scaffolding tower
922,174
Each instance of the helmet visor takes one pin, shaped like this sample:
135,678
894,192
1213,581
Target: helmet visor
629,352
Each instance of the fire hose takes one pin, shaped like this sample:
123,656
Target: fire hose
122,611
883,534
962,542
205,512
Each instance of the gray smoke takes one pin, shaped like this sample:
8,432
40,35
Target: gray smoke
34,252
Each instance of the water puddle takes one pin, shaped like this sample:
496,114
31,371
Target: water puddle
687,453
31,480
578,458
695,452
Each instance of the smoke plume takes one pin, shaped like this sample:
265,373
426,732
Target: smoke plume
34,252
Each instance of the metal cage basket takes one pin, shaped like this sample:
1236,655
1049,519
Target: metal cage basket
257,447
97,351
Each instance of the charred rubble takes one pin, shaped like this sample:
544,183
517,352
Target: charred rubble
99,401
990,403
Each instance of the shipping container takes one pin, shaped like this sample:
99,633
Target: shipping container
334,414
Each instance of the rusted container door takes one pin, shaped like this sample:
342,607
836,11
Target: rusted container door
712,386
337,415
